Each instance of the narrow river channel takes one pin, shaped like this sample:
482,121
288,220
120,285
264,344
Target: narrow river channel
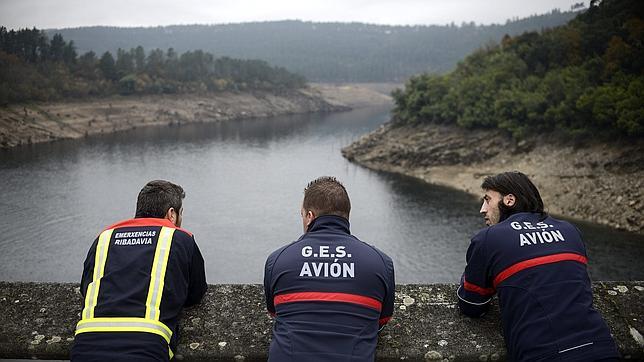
244,182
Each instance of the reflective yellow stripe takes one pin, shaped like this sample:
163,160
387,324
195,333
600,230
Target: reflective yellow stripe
149,324
91,295
157,276
127,324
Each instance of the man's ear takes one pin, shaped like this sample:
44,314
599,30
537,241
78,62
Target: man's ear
171,215
509,200
310,216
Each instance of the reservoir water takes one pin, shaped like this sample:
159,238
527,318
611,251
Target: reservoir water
244,182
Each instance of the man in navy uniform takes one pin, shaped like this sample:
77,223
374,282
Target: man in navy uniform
537,266
329,292
137,277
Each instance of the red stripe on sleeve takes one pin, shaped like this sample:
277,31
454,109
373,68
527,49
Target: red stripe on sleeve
384,321
530,263
328,297
476,289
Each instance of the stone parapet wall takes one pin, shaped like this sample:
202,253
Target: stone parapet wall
38,321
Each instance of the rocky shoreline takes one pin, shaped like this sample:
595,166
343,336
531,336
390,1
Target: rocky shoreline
42,122
594,181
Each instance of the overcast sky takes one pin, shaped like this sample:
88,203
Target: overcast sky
73,13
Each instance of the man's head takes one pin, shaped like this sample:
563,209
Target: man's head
324,196
508,193
161,199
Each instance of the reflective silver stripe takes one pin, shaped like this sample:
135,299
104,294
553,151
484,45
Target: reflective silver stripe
155,291
579,346
122,326
100,258
467,301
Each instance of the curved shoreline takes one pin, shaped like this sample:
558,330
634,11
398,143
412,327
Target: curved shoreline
23,124
597,182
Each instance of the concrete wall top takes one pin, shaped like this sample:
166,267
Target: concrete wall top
38,321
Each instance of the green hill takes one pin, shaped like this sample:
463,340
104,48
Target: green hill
34,68
585,78
331,52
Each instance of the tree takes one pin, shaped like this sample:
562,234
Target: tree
155,64
56,48
69,53
87,64
139,58
108,66
124,63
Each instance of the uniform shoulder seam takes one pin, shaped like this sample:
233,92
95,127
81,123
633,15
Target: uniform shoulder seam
181,234
378,252
184,231
483,234
281,251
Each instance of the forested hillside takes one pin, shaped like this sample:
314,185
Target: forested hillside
33,67
341,52
585,78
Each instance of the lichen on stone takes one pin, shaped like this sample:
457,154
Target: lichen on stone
433,356
54,339
621,288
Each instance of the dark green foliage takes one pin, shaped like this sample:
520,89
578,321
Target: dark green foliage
108,66
34,68
585,78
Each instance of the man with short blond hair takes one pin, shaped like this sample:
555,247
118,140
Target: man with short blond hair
329,292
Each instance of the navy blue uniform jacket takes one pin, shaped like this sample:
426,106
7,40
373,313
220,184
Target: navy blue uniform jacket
125,298
330,293
537,266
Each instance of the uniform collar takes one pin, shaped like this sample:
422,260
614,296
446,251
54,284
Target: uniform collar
330,222
525,214
146,221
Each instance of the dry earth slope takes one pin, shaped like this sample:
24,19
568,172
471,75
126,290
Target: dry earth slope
593,181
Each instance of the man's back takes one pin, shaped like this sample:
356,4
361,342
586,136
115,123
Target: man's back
329,292
137,277
538,268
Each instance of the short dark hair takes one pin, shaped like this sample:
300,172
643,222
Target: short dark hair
157,197
327,196
519,185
